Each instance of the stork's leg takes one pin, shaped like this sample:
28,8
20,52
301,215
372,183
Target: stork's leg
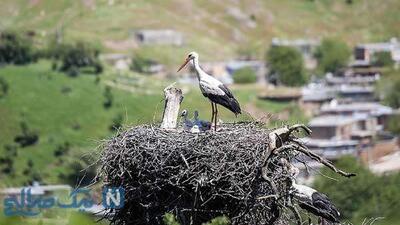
212,113
216,117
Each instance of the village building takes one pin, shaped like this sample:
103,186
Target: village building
159,37
372,109
365,52
314,96
365,81
331,136
355,93
355,128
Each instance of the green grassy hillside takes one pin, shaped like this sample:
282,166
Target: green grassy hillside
63,109
207,26
76,116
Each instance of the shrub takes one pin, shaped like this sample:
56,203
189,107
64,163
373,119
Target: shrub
62,149
30,163
7,165
3,87
383,59
117,122
394,124
15,49
244,75
392,92
108,97
81,173
11,150
286,66
27,137
332,55
75,57
140,64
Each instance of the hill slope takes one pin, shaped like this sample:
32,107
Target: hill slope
61,110
211,26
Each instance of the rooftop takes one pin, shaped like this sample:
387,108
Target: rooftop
355,89
331,120
325,143
297,42
317,92
373,108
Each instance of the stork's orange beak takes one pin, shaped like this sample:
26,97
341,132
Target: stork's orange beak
184,64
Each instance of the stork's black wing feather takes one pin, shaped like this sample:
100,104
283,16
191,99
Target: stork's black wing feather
322,202
227,102
226,90
310,207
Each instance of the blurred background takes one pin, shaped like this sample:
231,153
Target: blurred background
74,72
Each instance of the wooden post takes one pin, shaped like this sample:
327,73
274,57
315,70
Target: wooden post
173,99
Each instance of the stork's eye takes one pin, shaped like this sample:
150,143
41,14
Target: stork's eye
190,55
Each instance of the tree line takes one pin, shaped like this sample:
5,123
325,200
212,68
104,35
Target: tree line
72,58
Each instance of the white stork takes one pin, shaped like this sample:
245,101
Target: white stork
213,89
313,201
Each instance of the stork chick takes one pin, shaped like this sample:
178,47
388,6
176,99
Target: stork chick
186,123
202,124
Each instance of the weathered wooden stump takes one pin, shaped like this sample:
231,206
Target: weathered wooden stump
173,100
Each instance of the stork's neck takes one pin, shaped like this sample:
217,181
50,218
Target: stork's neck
199,72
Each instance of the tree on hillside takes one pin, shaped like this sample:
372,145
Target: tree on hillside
15,48
286,66
383,59
394,124
244,75
365,195
75,57
332,55
388,88
348,194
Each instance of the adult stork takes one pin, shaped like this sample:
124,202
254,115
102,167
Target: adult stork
212,89
313,201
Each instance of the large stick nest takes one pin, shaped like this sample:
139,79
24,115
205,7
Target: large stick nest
197,176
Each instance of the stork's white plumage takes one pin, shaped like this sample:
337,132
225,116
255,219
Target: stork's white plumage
213,89
315,202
